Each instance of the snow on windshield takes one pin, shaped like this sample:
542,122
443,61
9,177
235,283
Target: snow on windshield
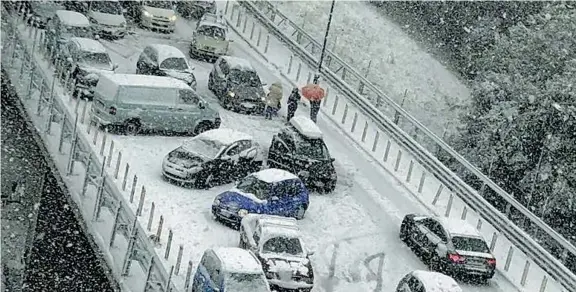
470,244
159,4
283,245
174,64
245,283
212,31
108,7
253,185
204,147
249,78
96,60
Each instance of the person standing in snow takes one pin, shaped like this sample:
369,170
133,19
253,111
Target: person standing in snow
293,100
273,100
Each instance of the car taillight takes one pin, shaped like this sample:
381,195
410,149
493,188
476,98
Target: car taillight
112,110
491,262
456,258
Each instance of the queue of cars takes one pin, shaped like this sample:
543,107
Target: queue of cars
270,193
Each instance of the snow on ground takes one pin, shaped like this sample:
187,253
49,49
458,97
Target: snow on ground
359,34
354,212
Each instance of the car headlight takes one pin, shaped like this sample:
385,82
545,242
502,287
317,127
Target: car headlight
173,18
216,202
232,94
242,212
146,13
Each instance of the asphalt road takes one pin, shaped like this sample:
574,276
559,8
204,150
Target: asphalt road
60,255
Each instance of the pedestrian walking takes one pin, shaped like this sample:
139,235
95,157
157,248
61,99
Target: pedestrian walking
293,100
273,100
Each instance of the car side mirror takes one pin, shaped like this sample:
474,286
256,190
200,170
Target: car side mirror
311,253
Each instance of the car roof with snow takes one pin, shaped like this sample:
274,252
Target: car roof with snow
436,282
212,19
142,81
72,18
166,51
238,63
274,175
237,260
89,45
458,226
224,136
306,127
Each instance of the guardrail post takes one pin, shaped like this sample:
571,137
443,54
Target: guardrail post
376,138
398,158
345,114
309,78
141,202
387,151
364,132
493,241
50,109
354,121
103,144
239,19
464,213
130,251
298,72
125,177
83,119
344,73
179,259
335,105
226,7
70,168
188,276
479,224
509,258
87,175
245,23
438,193
115,226
267,44
289,70
449,206
62,133
252,29
422,180
543,284
133,189
325,102
259,37
151,266
169,283
118,162
110,152
410,168
95,135
168,244
99,192
159,230
525,273
151,217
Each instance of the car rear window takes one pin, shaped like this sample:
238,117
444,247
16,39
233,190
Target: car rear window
470,244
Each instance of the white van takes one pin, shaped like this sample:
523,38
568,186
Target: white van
107,18
131,103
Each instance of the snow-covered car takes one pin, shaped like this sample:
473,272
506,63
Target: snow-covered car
165,60
195,9
85,59
41,11
426,281
210,40
269,191
451,246
237,85
277,243
213,157
64,25
229,269
300,148
107,18
158,15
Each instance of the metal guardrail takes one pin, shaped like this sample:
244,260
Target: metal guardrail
80,151
517,236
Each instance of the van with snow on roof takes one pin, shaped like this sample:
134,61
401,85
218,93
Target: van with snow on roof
229,269
210,39
132,103
211,158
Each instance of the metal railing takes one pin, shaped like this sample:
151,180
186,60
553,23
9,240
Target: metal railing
60,123
269,17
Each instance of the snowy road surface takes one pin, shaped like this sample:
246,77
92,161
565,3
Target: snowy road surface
362,216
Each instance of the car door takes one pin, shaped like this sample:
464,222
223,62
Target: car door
278,200
247,154
222,71
419,234
187,112
202,281
276,154
416,285
432,232
228,160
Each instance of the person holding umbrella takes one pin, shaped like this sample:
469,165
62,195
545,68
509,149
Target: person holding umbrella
273,100
314,93
293,100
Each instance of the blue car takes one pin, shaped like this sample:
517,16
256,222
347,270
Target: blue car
270,191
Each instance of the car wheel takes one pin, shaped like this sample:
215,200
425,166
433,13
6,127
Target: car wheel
132,127
202,127
300,212
208,182
434,263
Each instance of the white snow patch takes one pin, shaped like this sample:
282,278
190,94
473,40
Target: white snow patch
89,45
274,175
72,18
237,260
166,51
457,226
239,63
140,81
306,127
248,195
224,136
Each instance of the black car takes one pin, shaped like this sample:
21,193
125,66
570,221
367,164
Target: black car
450,246
165,60
300,149
194,8
214,157
237,85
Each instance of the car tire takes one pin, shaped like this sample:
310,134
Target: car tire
132,127
205,182
203,127
300,213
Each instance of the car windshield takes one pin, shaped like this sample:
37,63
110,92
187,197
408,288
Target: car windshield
174,64
470,244
184,158
212,31
96,60
77,31
108,7
204,147
159,4
283,245
253,185
237,282
312,149
249,78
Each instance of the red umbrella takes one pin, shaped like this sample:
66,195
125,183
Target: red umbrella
313,92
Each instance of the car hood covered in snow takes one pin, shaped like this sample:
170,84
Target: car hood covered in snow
159,11
280,263
108,19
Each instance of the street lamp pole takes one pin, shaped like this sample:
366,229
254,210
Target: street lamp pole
317,76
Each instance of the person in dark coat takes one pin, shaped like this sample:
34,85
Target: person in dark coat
293,100
314,109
